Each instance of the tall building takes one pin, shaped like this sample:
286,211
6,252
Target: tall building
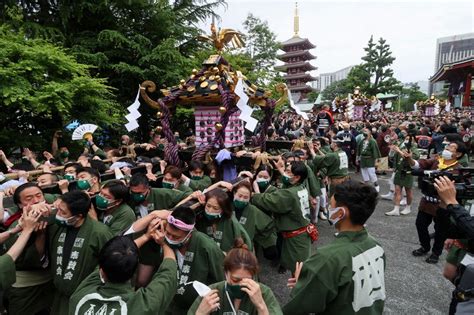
326,79
454,67
296,58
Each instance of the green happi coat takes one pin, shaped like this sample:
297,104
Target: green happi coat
203,262
7,272
94,297
119,220
68,272
344,277
335,163
259,226
402,168
368,151
291,210
224,232
184,188
246,305
312,182
32,290
200,184
159,199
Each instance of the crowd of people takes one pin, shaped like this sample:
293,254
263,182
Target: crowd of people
116,230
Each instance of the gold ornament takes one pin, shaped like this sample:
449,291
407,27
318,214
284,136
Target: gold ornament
212,77
215,69
158,129
191,89
195,71
159,114
182,81
202,78
204,84
222,110
213,87
219,126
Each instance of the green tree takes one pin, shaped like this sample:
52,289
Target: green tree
126,41
42,88
374,75
358,76
262,47
312,96
339,88
410,95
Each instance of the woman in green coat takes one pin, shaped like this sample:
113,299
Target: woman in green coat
217,220
259,226
239,294
113,211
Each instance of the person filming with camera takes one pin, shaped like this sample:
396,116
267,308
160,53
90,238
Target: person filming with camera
447,161
459,267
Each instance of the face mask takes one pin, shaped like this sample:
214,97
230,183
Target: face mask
262,183
102,203
285,179
212,216
234,291
138,198
64,154
333,211
177,244
69,177
240,204
71,221
195,177
447,155
83,184
167,185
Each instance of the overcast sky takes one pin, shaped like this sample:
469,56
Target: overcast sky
341,28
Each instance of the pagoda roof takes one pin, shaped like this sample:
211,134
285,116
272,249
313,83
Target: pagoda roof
299,76
296,40
302,64
301,53
302,87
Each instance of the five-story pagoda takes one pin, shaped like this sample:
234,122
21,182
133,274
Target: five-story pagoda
296,57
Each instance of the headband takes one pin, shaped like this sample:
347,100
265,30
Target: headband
180,224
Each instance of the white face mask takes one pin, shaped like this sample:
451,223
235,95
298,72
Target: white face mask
447,155
333,211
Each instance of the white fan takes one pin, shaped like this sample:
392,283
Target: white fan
82,131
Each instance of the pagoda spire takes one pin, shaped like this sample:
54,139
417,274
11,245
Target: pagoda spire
296,25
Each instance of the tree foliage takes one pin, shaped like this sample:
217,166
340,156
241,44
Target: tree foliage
410,95
262,47
42,88
374,75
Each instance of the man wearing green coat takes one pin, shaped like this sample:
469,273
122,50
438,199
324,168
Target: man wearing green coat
108,289
347,275
32,291
367,153
335,164
197,179
74,246
7,262
291,209
146,199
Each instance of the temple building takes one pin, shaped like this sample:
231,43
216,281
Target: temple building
296,58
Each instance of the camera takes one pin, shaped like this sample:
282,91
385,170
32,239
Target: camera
462,177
